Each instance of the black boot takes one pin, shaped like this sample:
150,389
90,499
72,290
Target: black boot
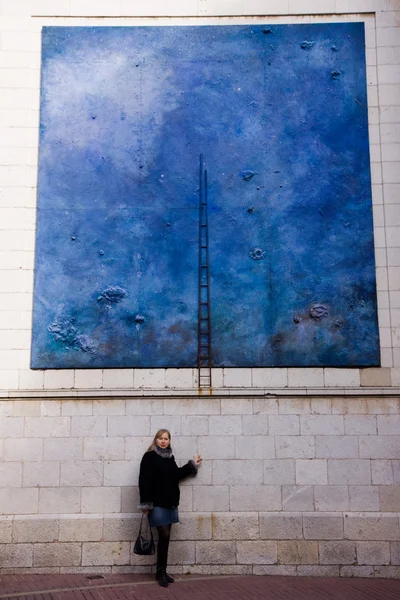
161,577
169,578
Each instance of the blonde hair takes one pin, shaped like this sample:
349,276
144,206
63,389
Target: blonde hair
159,433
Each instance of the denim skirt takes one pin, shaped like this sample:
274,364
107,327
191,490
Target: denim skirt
159,516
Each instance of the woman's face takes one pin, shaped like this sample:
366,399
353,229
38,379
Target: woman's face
163,440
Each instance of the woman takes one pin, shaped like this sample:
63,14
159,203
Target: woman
159,493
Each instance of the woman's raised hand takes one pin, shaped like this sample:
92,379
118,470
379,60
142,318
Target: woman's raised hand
197,460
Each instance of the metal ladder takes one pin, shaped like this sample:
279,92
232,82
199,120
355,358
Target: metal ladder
204,357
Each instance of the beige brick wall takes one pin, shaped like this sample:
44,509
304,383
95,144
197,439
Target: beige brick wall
302,466
316,493
20,27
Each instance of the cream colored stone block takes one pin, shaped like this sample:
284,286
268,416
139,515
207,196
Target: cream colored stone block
356,571
217,447
270,378
179,378
104,448
306,377
81,473
225,425
194,526
383,406
63,449
281,526
19,501
284,425
183,406
184,448
11,427
364,497
267,406
89,379
121,527
257,552
59,500
373,553
337,553
395,553
211,498
257,447
360,425
254,425
182,552
43,427
382,472
151,378
41,474
322,425
10,475
285,570
279,471
26,408
6,523
297,498
171,422
105,553
239,406
114,407
120,472
342,377
237,378
81,528
331,497
117,379
50,408
235,526
80,408
35,529
129,426
215,552
380,446
388,424
317,570
389,498
295,446
101,500
336,446
254,497
375,377
323,526
297,552
60,379
311,472
85,426
350,471
296,406
15,556
194,425
371,526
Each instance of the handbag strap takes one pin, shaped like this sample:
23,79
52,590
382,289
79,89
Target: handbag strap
146,517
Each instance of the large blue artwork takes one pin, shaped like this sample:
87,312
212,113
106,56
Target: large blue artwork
279,115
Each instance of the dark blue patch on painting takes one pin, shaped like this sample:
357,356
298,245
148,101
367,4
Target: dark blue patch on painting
280,115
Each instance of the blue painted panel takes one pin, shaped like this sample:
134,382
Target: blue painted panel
280,115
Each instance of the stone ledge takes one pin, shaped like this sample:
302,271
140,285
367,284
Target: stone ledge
56,394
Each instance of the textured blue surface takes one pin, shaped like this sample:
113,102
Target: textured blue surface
280,115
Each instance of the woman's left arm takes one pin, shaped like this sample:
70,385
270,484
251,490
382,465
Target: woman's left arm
190,468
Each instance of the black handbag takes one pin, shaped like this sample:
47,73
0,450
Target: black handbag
144,544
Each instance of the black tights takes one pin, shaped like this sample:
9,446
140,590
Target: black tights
162,549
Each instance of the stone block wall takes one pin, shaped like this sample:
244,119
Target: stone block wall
307,486
301,470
